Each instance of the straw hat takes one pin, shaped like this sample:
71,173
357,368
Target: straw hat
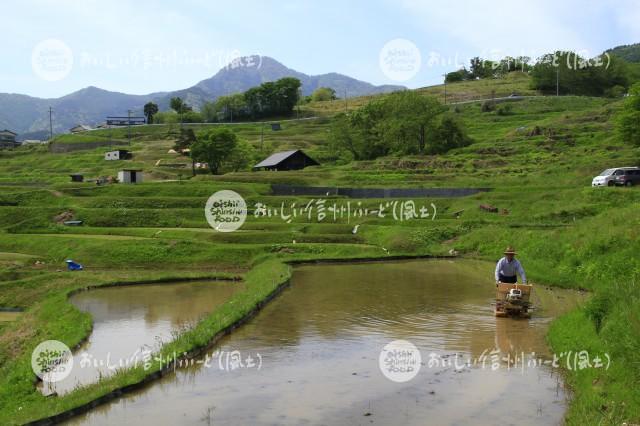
510,250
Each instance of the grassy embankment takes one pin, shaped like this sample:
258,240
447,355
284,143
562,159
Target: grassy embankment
567,233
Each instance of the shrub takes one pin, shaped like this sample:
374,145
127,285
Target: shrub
488,106
505,109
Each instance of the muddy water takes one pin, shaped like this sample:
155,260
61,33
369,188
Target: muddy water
130,321
315,356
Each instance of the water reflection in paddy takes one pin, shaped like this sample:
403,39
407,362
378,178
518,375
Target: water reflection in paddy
129,320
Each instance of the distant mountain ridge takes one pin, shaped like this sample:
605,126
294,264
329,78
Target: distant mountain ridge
628,52
29,116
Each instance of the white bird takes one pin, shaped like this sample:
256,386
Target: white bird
355,229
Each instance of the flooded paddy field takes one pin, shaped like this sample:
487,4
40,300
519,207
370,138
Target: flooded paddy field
312,355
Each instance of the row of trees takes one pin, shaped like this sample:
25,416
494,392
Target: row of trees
271,99
483,68
402,123
562,71
569,73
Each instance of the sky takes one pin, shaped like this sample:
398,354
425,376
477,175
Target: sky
54,47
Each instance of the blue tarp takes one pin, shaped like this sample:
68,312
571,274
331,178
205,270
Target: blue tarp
73,266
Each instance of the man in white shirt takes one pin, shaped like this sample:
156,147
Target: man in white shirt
508,266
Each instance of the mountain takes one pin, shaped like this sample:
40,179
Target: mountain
628,52
29,116
251,71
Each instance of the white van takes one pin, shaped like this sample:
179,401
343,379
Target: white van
608,177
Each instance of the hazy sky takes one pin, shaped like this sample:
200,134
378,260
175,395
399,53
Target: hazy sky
144,46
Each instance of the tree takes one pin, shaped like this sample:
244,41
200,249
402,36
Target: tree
460,75
449,134
273,98
178,105
628,119
209,112
242,156
192,117
166,117
401,123
343,138
286,95
228,107
214,147
482,68
150,109
409,121
185,140
323,94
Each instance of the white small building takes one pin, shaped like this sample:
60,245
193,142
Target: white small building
130,176
118,154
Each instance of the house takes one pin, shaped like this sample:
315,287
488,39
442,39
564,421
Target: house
118,154
8,139
80,128
130,176
286,160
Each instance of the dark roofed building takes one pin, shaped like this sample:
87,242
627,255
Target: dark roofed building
286,160
8,139
118,154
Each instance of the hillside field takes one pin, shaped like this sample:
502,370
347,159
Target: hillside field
538,160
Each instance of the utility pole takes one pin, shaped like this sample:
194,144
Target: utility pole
129,125
346,106
50,124
558,81
262,137
445,88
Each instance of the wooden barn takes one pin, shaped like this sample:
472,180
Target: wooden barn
286,160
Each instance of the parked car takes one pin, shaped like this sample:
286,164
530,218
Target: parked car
628,177
618,176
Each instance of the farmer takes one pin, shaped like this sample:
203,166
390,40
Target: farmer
508,266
